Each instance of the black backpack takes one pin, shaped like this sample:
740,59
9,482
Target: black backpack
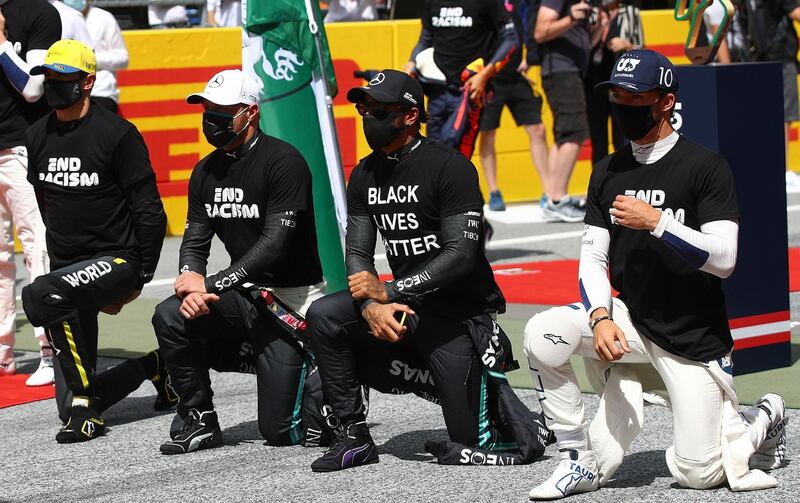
530,13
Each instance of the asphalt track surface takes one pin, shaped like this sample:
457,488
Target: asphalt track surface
126,465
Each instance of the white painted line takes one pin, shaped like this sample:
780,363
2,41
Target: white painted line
535,239
761,330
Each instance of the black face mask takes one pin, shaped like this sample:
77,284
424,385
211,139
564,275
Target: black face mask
635,121
217,128
381,132
62,94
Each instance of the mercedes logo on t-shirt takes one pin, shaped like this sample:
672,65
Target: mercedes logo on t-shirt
377,79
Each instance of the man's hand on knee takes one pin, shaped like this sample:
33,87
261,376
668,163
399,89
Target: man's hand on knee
189,282
383,323
196,304
606,335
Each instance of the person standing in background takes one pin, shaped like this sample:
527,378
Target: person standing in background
622,33
512,89
73,26
770,26
223,13
460,33
109,50
563,31
27,29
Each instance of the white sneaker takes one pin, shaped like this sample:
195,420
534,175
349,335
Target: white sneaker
44,375
792,182
772,453
8,365
577,474
566,210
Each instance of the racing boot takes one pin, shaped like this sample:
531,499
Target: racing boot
771,454
84,424
200,430
577,473
353,447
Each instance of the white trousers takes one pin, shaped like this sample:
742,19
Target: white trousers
18,208
696,399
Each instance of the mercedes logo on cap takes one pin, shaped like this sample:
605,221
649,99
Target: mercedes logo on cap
377,79
216,81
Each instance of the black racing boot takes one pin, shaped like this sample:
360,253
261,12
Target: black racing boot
83,424
200,431
353,447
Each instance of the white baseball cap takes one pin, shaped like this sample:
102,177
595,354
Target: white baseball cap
228,87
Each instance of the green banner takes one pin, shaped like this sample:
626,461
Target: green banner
289,112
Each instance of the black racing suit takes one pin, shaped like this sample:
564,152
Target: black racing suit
426,204
257,200
105,226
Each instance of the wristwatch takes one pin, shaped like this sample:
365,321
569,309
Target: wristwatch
593,323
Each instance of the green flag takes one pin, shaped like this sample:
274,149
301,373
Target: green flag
282,54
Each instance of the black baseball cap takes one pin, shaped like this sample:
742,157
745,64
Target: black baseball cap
642,70
392,86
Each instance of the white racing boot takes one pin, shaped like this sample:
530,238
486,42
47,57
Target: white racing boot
772,452
575,474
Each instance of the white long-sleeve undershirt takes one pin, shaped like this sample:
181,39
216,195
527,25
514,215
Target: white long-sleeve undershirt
712,249
18,71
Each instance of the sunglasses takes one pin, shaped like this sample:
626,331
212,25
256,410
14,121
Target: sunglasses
377,109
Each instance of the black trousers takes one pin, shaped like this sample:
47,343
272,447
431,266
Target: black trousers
66,303
192,347
436,358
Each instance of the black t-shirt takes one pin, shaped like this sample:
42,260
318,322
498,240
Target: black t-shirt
463,31
406,202
30,25
671,303
568,53
81,170
234,193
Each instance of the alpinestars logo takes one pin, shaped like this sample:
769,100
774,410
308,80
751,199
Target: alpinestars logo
66,172
451,17
555,339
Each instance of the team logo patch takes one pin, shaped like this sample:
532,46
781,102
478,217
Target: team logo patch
216,81
627,64
555,339
377,79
